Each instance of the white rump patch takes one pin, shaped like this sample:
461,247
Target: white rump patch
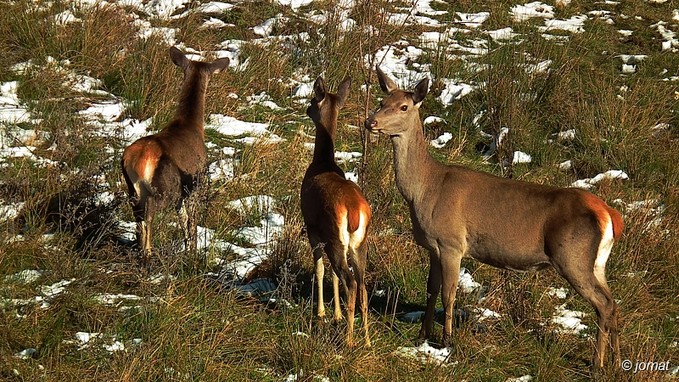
604,250
149,169
345,236
357,237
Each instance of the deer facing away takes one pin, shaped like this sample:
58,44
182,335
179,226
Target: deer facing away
165,167
509,224
336,213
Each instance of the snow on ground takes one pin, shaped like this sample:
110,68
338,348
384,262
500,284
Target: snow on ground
484,314
11,210
237,261
261,237
454,90
27,276
535,9
441,141
565,165
394,60
589,183
649,211
569,321
347,156
47,293
425,353
574,24
521,157
557,292
230,126
12,109
524,378
466,282
17,142
109,343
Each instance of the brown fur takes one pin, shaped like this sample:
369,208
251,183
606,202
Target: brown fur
509,224
165,167
357,206
332,208
618,225
603,212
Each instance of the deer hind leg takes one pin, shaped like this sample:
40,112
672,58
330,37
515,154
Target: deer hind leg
144,237
319,272
606,310
599,296
359,266
604,250
143,218
433,289
138,198
338,259
186,212
337,313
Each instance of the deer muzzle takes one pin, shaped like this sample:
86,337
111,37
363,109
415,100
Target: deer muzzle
370,124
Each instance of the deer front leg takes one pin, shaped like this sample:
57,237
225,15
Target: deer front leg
359,272
351,308
433,288
450,264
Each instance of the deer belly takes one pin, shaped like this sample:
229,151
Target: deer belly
512,255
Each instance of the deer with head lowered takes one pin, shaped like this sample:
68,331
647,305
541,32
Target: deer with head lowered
165,167
509,224
336,214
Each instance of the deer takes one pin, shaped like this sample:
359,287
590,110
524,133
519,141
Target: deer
335,212
164,168
509,224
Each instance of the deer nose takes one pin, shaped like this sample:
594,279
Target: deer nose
370,124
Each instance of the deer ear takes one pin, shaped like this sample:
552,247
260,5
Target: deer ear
343,91
319,89
421,90
219,65
178,57
386,84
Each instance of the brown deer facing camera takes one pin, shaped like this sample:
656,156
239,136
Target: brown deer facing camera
335,212
506,223
165,167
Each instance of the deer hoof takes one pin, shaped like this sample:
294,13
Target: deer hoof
445,340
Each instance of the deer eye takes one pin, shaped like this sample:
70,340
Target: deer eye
404,107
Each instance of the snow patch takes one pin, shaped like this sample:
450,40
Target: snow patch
557,292
426,354
27,276
521,157
570,321
466,282
528,11
11,210
441,141
589,183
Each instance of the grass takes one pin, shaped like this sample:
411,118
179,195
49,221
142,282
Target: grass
194,328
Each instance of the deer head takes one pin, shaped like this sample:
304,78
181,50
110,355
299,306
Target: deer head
189,66
399,112
325,106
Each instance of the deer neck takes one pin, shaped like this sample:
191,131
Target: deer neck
324,147
412,162
191,108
